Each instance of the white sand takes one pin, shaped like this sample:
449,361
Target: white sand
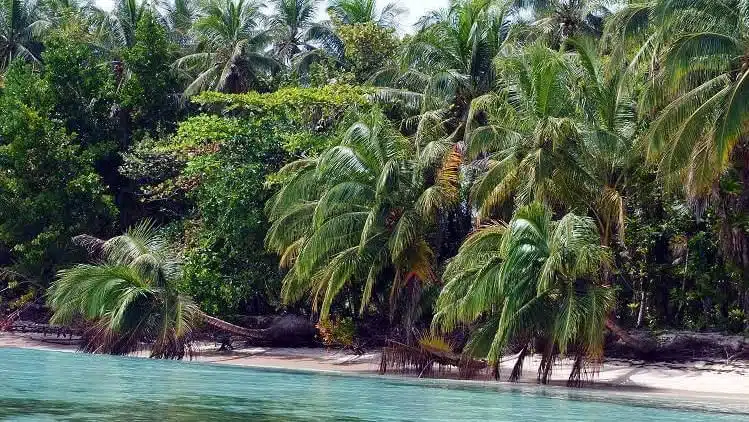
704,378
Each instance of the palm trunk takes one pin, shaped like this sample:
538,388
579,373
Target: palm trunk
641,311
228,327
641,346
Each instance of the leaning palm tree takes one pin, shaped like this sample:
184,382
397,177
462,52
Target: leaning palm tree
359,215
352,12
533,281
130,297
231,55
20,23
699,87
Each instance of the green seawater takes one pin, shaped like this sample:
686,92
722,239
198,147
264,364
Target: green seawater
46,386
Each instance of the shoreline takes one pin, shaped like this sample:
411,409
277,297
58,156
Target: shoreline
696,379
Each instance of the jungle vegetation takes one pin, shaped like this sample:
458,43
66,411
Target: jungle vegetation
527,173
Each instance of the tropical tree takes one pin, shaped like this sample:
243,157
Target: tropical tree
115,30
533,281
20,23
559,20
131,296
699,88
447,64
180,16
231,55
290,23
360,214
529,149
352,12
608,118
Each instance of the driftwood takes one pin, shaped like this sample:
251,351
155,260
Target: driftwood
44,329
643,346
403,358
222,325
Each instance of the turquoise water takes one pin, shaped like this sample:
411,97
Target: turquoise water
42,385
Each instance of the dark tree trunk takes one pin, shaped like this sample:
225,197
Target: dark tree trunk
642,346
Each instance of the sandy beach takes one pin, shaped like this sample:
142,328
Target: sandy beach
721,379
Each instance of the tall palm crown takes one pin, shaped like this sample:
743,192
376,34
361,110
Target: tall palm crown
359,212
695,54
607,114
533,280
448,62
130,296
290,23
352,12
20,22
232,46
180,15
562,19
115,30
703,79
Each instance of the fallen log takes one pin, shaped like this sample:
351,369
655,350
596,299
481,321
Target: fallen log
283,331
643,347
6,324
228,327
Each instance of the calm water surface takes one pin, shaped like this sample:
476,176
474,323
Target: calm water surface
42,385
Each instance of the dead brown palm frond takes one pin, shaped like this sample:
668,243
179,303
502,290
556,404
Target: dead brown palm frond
92,244
399,357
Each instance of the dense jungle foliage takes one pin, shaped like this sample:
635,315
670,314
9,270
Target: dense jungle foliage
518,169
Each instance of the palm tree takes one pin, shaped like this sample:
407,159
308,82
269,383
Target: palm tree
131,296
20,23
562,132
352,12
559,20
532,281
231,54
447,64
358,212
180,17
609,124
115,30
290,23
699,88
529,148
